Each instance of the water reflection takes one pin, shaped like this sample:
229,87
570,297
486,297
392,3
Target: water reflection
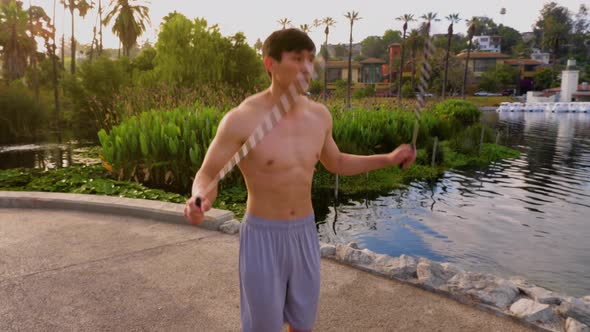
49,152
525,216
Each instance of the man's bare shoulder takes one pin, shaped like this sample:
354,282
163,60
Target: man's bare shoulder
245,110
254,101
321,110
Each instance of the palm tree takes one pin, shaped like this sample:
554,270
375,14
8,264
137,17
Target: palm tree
406,18
305,28
351,16
327,22
15,42
284,22
453,18
429,17
470,31
82,6
129,22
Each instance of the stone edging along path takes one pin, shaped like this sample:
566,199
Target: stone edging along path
513,297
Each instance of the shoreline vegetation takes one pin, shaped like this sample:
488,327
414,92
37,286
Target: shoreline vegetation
156,154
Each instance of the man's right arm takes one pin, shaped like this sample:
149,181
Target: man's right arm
225,144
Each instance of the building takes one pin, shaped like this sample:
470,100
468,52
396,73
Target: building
338,70
340,51
371,70
527,69
537,55
479,62
488,43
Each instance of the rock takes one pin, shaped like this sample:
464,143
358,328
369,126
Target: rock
353,245
572,325
539,294
579,309
535,312
327,250
486,288
230,227
350,255
403,267
434,274
382,263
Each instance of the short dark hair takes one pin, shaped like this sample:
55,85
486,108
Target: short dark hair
286,40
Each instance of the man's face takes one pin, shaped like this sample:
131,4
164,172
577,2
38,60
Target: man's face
292,63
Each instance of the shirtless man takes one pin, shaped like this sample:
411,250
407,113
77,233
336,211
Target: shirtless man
279,248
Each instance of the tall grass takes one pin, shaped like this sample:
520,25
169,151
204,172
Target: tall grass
165,148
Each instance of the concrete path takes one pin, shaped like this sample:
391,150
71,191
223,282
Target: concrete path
78,271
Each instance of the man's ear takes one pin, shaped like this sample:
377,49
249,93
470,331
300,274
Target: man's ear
268,62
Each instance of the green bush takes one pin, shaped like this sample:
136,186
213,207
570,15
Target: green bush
408,91
458,112
20,115
368,91
161,148
316,87
93,88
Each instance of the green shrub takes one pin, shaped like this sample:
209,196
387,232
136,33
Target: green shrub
408,91
458,112
161,148
315,87
20,115
93,88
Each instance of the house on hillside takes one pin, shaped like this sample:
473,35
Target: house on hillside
488,43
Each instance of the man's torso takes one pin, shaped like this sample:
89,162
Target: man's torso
279,170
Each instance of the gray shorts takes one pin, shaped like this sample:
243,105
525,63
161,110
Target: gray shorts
279,273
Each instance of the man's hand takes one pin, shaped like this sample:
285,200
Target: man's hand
404,156
193,214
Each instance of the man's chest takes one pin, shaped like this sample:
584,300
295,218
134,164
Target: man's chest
291,143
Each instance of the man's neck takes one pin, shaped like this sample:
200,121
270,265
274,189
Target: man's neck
275,92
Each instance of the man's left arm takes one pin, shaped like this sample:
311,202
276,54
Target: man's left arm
349,164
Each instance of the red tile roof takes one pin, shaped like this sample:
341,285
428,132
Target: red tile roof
522,62
483,55
373,60
342,64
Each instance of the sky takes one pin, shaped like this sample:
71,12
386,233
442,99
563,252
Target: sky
258,18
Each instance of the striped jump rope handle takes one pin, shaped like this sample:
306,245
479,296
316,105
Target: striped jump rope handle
425,73
285,104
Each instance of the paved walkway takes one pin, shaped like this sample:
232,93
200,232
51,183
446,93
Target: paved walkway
75,271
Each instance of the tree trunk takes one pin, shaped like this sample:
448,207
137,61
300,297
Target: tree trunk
73,46
63,52
326,68
401,71
35,77
413,68
444,87
466,70
55,84
100,27
34,60
349,70
91,56
54,63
